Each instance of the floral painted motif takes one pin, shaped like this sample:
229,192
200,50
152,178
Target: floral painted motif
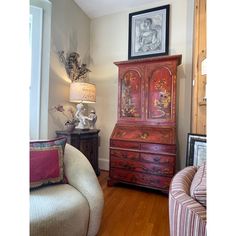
160,94
130,95
155,135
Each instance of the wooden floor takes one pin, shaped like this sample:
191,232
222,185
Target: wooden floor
133,211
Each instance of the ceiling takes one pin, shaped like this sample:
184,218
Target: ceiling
97,8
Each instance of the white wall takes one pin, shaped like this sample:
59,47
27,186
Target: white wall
71,33
104,40
109,43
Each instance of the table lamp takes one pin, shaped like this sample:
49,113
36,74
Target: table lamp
82,92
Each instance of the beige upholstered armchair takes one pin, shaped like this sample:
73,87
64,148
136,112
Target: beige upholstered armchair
68,209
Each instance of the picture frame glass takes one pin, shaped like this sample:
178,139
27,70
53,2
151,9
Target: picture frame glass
148,32
199,152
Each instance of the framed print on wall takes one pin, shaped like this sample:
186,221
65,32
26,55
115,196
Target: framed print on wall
149,33
196,149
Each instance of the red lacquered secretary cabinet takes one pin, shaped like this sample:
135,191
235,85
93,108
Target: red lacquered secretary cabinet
143,141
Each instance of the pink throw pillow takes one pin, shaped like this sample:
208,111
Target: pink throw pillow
46,162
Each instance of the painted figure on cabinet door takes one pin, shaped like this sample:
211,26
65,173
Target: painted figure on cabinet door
130,95
160,94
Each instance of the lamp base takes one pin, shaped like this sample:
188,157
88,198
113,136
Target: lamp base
83,125
85,122
82,118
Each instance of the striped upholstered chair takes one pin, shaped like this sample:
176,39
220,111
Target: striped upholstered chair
187,202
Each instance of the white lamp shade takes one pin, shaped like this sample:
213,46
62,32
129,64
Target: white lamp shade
82,92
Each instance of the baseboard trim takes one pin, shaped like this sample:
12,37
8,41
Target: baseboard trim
103,164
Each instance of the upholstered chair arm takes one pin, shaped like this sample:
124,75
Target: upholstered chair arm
187,216
81,175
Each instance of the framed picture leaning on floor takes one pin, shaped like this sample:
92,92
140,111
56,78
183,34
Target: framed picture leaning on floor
196,149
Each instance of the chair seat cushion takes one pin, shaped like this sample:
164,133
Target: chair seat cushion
58,210
198,187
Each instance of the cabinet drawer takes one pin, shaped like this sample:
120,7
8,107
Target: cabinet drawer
124,144
158,148
123,154
156,182
158,159
148,168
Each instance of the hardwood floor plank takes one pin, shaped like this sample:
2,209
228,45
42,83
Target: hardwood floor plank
130,210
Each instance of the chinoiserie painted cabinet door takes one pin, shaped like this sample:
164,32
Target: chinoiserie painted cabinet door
130,94
161,95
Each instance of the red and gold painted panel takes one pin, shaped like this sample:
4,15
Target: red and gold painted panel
160,94
143,141
144,134
151,168
131,95
124,154
153,181
159,159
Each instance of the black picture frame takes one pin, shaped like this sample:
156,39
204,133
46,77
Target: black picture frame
149,32
196,149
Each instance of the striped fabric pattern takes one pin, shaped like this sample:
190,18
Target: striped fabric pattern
187,216
198,186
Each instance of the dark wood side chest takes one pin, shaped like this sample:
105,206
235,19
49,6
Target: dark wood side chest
86,141
143,141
